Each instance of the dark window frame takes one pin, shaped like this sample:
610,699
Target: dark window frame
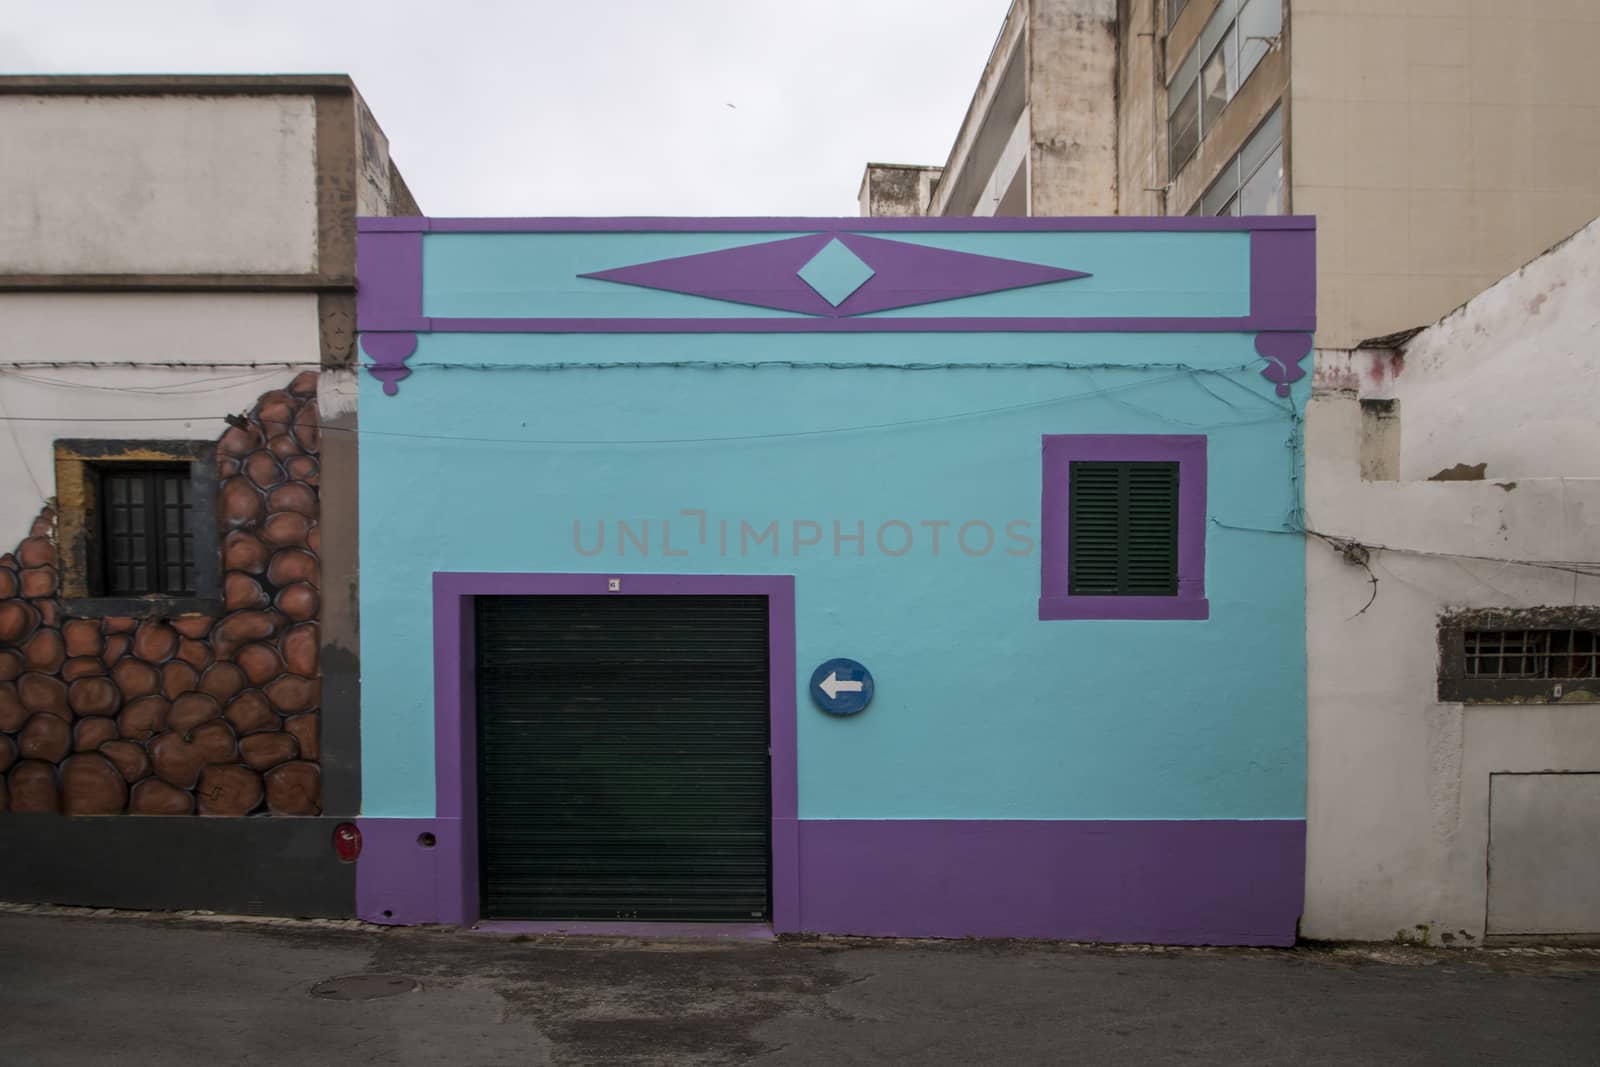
1090,482
80,463
156,531
1457,686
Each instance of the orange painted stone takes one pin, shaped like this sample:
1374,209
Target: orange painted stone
301,646
117,646
285,529
239,502
238,443
294,789
154,641
241,628
43,693
196,654
178,678
314,540
135,678
240,592
45,651
291,565
8,753
264,751
11,665
17,620
260,663
195,626
155,797
190,710
129,757
293,496
119,624
291,693
283,446
215,741
89,734
33,788
243,551
308,427
142,719
176,761
39,582
82,667
230,789
251,713
263,469
12,713
8,583
227,467
37,552
45,737
275,411
94,696
49,613
82,637
299,601
302,469
92,785
221,681
304,384
305,730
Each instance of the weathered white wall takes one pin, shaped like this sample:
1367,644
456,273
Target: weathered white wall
158,184
79,328
1398,804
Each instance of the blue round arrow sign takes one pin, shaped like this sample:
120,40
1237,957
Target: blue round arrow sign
841,687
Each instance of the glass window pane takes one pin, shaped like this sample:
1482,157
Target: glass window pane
1183,130
1263,191
1174,9
1259,21
1215,200
1213,88
1261,143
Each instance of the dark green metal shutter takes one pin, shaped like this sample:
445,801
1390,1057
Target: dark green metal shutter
623,761
1123,538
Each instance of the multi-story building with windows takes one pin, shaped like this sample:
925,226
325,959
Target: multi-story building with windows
1440,145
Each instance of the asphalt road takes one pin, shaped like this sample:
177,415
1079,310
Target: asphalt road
84,989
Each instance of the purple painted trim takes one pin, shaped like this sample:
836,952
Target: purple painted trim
1060,451
1283,353
401,883
767,275
455,724
1172,882
1283,275
389,352
830,224
388,279
687,931
951,324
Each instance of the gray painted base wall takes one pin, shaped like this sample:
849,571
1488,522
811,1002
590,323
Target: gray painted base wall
255,866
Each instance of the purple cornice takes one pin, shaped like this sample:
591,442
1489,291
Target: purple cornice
919,324
812,224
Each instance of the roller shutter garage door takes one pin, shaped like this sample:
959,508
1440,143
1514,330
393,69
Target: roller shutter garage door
623,767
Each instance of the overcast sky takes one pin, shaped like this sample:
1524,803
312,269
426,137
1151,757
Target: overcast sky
611,107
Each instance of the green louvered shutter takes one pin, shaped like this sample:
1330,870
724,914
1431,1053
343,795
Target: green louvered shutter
1123,538
623,768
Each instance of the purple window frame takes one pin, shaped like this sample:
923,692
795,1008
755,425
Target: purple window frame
1060,452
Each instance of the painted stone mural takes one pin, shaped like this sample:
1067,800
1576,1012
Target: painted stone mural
187,714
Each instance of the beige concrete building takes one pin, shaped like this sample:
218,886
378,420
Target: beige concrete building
1440,143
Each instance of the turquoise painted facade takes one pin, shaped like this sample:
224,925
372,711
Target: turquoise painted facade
516,449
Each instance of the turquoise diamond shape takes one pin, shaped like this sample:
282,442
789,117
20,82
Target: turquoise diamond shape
835,273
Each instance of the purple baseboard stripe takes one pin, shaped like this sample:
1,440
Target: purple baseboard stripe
400,881
685,931
1191,882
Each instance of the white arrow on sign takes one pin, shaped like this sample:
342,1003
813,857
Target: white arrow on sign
833,687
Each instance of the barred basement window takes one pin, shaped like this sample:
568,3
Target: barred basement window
1562,654
1123,532
146,538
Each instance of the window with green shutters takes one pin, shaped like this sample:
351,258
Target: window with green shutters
1123,529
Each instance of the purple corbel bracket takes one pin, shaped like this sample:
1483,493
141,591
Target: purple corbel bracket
1283,353
389,352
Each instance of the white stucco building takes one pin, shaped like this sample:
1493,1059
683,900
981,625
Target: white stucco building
1454,709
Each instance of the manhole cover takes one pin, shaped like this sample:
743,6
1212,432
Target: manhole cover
363,987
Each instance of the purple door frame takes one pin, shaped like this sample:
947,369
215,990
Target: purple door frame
456,724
